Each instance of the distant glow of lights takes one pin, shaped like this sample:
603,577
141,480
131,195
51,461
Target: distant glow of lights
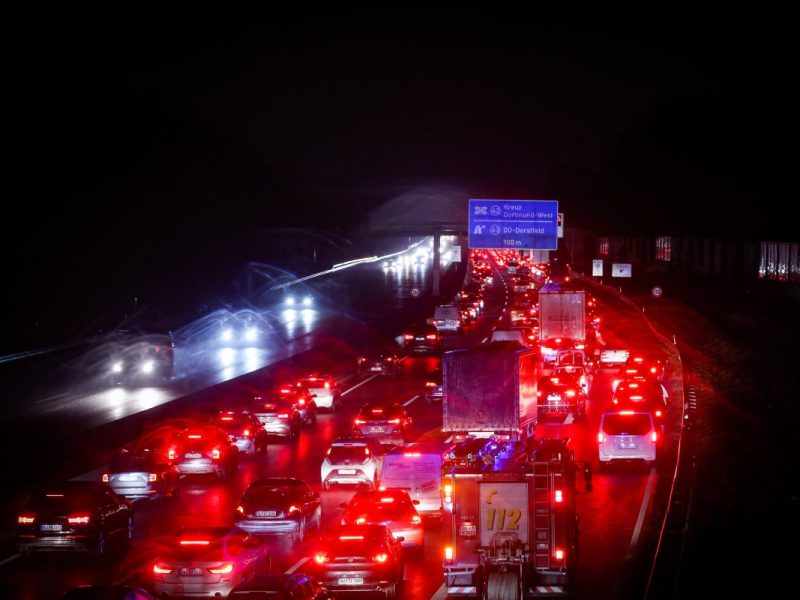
227,335
251,334
117,367
307,301
290,301
148,367
227,356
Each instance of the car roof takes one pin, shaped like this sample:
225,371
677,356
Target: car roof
352,441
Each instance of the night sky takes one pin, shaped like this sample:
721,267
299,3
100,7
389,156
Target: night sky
148,155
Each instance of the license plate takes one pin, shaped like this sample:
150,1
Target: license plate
351,581
128,477
266,513
627,445
467,530
50,527
347,471
376,429
377,368
553,397
194,571
269,419
192,455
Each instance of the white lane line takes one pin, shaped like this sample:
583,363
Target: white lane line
296,565
358,385
440,594
410,401
640,520
569,420
484,340
9,559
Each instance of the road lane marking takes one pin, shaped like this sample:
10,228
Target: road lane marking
9,559
410,401
569,420
440,594
486,339
640,520
296,565
344,393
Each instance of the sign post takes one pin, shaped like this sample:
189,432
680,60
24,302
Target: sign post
513,224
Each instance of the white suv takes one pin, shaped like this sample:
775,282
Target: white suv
352,460
627,435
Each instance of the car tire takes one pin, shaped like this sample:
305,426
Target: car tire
326,485
391,592
301,534
129,532
313,419
100,547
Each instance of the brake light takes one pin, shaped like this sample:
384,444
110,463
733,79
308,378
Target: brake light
652,369
579,346
387,499
654,437
327,385
105,477
408,336
301,402
448,553
554,379
638,359
26,519
345,538
240,509
431,337
637,397
226,419
558,554
448,493
286,390
658,413
359,421
283,415
538,394
293,509
430,384
558,496
222,569
570,393
633,385
320,558
246,433
215,454
161,569
601,438
377,411
412,454
361,520
171,454
381,558
78,520
416,519
195,436
626,412
194,542
152,477
394,421
366,451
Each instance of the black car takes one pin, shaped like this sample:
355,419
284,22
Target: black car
378,362
422,339
296,586
279,505
83,516
137,357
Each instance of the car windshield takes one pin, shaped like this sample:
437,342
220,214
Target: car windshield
340,454
379,413
635,424
131,462
271,494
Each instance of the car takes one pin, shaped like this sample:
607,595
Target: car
469,453
279,505
391,507
206,450
301,398
207,562
352,460
282,586
642,394
434,392
447,318
278,416
161,438
244,430
524,336
106,592
142,474
422,339
387,422
380,362
550,348
324,390
521,315
561,394
241,329
627,435
79,516
417,468
654,368
581,373
359,558
139,357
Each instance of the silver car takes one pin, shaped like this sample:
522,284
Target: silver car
279,505
141,474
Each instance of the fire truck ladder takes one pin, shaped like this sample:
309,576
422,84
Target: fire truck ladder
542,514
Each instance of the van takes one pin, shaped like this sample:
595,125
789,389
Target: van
417,468
627,435
447,317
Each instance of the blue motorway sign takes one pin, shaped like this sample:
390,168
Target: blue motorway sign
517,224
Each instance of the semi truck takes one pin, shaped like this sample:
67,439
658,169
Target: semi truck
562,318
490,391
510,526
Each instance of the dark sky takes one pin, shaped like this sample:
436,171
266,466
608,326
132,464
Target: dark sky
147,155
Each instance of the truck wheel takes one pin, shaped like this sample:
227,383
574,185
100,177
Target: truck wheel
502,586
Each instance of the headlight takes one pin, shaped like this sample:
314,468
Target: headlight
250,334
117,367
227,335
148,366
290,300
307,301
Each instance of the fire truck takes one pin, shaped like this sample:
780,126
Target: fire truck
511,530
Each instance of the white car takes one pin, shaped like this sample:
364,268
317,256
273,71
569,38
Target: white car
325,390
627,435
352,460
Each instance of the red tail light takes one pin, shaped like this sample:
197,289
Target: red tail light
152,477
161,569
447,491
394,421
195,436
194,542
226,419
327,385
321,558
654,436
246,433
658,413
171,455
601,437
293,509
240,509
359,421
222,569
381,557
78,519
366,451
558,496
105,477
558,554
215,454
26,519
408,337
416,519
301,402
431,337
570,393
